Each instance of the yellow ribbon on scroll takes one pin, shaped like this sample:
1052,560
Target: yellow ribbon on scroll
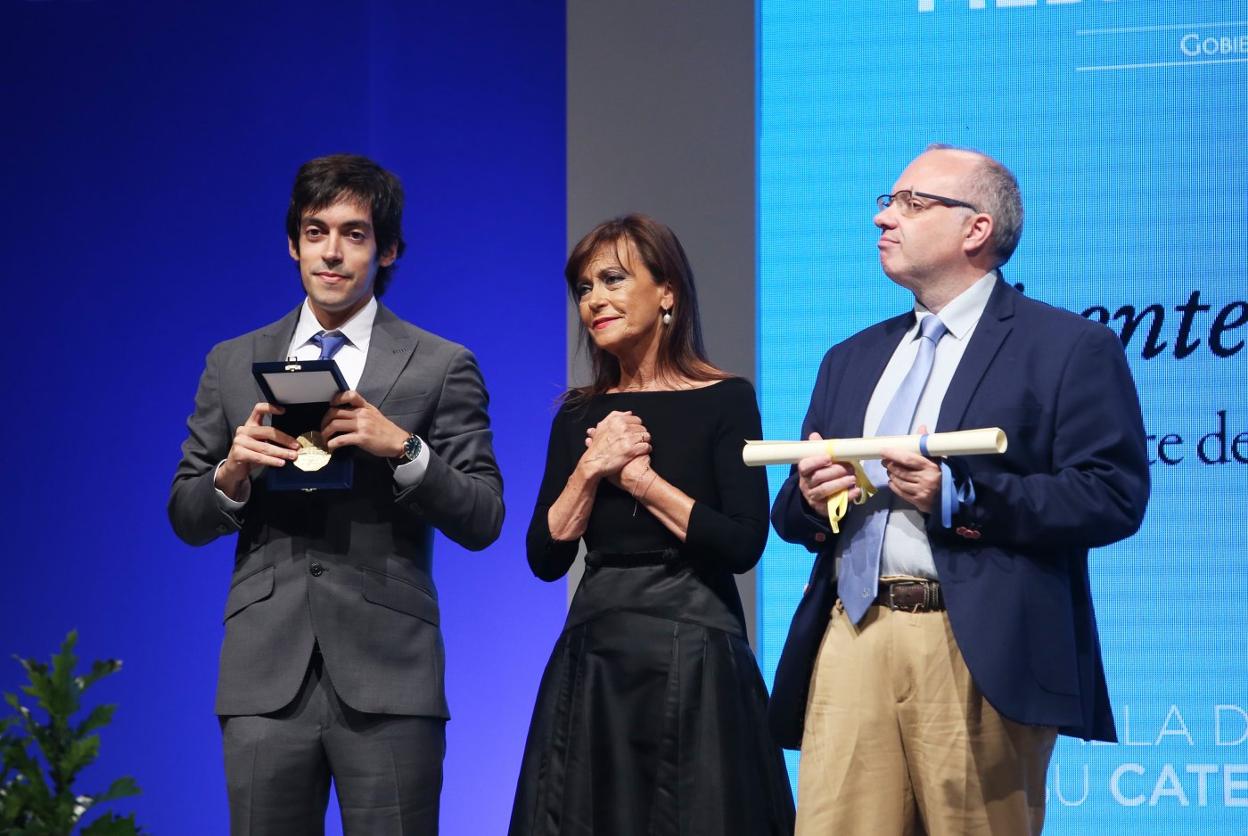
856,450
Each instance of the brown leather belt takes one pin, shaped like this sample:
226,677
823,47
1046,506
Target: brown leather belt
911,596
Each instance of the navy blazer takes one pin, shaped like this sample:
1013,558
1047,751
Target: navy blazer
1014,565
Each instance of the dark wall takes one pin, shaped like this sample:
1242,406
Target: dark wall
661,121
150,149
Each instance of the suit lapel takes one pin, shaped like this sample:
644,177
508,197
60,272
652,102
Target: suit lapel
390,349
273,341
994,326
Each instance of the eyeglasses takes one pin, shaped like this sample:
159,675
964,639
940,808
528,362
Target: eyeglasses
909,206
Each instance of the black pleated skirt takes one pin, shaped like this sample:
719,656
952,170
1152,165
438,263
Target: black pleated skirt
651,715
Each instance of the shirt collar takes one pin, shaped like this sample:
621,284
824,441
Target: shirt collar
961,314
357,329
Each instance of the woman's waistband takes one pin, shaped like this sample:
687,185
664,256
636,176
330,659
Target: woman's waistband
628,560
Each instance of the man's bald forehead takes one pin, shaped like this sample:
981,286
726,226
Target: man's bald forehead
971,159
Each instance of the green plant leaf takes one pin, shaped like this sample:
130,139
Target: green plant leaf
23,713
112,825
24,764
40,686
66,810
64,691
57,705
99,669
21,795
99,717
36,788
49,741
123,787
77,755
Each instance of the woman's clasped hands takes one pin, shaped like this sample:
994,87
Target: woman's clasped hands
618,449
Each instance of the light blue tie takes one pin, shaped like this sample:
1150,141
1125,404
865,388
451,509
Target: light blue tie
859,574
329,342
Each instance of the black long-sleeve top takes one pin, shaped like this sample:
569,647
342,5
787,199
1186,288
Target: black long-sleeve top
697,436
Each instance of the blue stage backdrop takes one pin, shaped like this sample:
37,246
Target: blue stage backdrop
1125,123
150,152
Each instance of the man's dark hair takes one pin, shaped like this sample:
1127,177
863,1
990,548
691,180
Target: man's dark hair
325,181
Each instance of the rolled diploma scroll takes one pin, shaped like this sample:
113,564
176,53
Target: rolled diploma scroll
854,450
961,443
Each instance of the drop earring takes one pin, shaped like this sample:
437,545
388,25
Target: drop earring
667,317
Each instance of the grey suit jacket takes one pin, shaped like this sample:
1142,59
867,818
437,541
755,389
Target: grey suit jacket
348,569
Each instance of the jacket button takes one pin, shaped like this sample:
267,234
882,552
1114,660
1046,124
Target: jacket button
317,570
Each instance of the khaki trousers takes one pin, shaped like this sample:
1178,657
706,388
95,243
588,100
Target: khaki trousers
898,739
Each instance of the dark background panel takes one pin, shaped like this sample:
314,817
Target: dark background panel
661,121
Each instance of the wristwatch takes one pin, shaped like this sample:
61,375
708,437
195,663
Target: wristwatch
411,449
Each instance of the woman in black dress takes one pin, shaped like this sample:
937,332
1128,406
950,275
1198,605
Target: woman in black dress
650,718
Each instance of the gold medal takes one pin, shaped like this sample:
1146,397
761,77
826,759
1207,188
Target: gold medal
313,455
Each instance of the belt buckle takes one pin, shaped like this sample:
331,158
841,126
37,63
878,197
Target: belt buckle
931,592
918,607
921,606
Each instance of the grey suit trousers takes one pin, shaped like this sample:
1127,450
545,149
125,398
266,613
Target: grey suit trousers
387,769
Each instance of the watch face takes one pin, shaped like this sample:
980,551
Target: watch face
411,448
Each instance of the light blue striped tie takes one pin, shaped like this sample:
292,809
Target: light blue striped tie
859,574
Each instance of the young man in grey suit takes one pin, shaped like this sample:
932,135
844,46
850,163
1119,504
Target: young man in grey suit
332,665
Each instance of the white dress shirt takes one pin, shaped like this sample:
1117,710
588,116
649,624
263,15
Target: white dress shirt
906,550
350,358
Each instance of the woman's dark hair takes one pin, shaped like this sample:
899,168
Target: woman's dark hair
681,352
324,181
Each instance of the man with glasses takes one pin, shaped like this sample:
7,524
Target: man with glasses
947,635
